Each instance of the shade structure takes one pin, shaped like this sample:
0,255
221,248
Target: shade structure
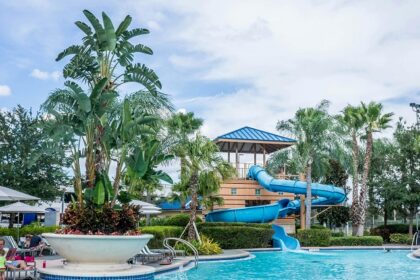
142,204
20,207
149,212
7,194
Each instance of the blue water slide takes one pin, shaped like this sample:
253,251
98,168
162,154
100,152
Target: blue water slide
282,240
325,195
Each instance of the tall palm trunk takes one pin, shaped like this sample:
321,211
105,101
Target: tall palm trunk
355,163
193,207
308,200
361,213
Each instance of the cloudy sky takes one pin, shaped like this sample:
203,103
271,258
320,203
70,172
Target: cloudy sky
233,63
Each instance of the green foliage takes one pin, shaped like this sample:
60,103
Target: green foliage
335,216
400,238
225,224
385,232
206,247
160,233
337,234
33,229
314,237
231,236
100,220
357,241
179,220
30,161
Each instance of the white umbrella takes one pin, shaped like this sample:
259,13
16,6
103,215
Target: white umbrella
7,194
21,208
143,204
147,211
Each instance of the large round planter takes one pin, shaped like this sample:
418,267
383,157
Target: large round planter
93,251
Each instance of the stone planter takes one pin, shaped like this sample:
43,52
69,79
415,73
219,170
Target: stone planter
93,252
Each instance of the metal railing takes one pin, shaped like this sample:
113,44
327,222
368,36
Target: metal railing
414,241
172,249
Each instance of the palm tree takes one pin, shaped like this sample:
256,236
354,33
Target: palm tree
203,167
374,121
312,128
353,122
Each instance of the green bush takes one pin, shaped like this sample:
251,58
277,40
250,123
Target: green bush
160,233
400,238
179,220
314,237
33,229
357,241
222,224
234,236
385,232
206,247
337,234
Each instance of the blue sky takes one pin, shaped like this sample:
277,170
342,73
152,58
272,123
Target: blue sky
233,63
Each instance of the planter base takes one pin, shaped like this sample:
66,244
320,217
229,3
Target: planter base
93,272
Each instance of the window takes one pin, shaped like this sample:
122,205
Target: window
257,191
233,191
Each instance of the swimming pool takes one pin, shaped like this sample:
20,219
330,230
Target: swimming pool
334,264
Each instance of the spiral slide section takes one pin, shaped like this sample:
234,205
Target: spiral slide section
325,195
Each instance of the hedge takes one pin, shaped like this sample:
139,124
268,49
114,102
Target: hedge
314,237
236,236
357,241
222,224
160,233
30,229
337,234
180,220
400,238
385,232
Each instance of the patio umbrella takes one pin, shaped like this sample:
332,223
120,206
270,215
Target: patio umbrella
7,194
146,209
21,208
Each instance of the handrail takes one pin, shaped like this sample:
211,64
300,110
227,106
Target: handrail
172,250
415,236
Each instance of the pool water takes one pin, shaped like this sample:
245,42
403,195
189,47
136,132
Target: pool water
344,264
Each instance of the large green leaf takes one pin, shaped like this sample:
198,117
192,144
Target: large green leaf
97,90
123,25
142,49
99,192
127,35
72,50
110,37
84,27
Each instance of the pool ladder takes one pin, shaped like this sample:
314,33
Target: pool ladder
172,249
415,239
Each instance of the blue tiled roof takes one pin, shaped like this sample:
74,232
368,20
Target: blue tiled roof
253,134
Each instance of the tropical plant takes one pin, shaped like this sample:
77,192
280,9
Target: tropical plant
202,163
373,121
99,126
312,128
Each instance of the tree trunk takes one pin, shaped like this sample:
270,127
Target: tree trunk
308,200
193,207
363,192
77,179
385,217
355,164
410,222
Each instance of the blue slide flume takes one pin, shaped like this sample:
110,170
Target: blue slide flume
325,195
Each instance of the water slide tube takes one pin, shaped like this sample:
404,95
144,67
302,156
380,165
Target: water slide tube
325,195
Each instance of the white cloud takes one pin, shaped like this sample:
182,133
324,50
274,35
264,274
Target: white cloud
292,54
43,75
5,90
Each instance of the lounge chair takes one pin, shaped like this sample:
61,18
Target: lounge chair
148,256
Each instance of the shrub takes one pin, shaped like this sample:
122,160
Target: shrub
314,237
180,220
222,224
337,234
103,220
400,238
29,229
207,247
385,232
233,236
357,241
160,233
